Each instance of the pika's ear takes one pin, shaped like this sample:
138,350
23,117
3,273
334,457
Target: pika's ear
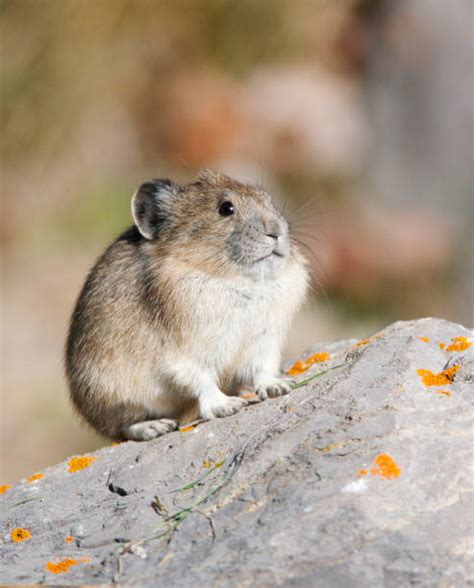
149,205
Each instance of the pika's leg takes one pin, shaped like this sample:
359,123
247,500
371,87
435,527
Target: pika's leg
199,382
260,368
119,420
147,430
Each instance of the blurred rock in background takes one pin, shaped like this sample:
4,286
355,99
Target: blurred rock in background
357,115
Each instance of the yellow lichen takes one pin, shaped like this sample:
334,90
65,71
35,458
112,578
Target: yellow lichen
80,462
459,344
330,447
442,345
425,339
444,378
300,367
18,535
34,477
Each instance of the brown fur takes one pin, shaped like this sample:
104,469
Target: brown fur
145,298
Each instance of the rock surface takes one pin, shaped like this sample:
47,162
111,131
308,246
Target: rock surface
303,497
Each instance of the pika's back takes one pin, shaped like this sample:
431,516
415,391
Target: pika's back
110,299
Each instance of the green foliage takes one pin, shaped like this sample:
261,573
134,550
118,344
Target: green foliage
94,215
237,36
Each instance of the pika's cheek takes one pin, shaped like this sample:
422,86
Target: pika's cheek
244,245
234,246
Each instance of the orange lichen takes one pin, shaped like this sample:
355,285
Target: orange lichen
80,462
442,345
34,477
444,392
62,566
69,539
425,339
385,467
388,467
187,429
249,396
459,344
300,367
319,357
444,378
361,343
19,534
5,488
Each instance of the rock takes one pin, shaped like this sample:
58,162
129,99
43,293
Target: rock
359,478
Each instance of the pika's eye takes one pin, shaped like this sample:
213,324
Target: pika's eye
226,208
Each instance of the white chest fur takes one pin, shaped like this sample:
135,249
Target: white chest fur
222,315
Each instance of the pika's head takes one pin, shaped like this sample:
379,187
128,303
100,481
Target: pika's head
216,224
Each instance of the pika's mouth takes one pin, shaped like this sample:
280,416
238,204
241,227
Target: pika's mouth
277,253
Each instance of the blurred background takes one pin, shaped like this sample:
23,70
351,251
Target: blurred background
356,114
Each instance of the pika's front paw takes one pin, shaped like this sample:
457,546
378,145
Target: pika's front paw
150,429
224,407
273,388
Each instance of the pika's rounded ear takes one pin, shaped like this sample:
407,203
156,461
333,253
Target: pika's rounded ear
149,205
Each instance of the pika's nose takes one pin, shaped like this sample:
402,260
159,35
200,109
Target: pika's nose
273,236
274,229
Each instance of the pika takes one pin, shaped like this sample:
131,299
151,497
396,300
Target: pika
185,309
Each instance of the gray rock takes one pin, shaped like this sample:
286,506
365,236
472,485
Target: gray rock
290,505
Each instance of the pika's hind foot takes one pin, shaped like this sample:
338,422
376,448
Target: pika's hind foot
273,388
150,429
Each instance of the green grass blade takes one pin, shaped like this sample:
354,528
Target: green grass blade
200,479
314,376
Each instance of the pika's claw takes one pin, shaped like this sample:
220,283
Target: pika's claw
274,388
228,406
150,429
